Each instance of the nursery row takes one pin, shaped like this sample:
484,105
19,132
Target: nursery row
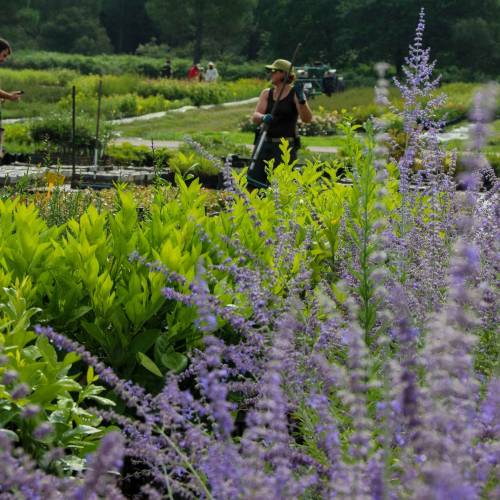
122,95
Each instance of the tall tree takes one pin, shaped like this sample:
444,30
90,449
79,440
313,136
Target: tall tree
72,26
220,21
376,31
127,23
314,23
20,23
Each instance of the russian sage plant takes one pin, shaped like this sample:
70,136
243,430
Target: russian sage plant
301,385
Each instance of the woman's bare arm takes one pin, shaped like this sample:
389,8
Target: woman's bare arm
260,109
304,110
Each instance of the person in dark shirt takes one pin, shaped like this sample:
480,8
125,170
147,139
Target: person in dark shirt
282,124
167,69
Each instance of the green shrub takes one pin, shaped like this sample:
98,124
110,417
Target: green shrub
201,93
50,384
218,146
185,163
322,124
127,154
117,64
87,65
17,137
24,78
56,131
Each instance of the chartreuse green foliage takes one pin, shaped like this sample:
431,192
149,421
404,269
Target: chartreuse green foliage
51,383
363,223
88,288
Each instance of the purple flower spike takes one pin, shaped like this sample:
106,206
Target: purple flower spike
43,430
107,460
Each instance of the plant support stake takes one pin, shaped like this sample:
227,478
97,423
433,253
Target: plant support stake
98,120
73,138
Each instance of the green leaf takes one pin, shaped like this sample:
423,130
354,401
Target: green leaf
96,332
91,377
70,358
102,401
149,364
79,431
72,463
48,352
174,361
11,434
78,313
143,341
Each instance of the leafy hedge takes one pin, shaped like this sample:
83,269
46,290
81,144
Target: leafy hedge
121,63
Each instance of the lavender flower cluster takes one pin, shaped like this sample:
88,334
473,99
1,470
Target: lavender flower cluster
302,401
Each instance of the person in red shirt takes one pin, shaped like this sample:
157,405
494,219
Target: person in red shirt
194,73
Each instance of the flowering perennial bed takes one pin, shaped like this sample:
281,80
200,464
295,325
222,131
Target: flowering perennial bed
316,340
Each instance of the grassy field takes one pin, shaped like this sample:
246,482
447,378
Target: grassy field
222,120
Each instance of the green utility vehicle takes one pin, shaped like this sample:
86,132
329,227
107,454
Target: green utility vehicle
319,78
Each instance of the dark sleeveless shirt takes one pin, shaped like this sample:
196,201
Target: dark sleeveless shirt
284,123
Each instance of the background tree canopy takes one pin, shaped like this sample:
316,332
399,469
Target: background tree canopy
462,33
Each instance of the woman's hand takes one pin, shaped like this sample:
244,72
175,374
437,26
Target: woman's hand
299,92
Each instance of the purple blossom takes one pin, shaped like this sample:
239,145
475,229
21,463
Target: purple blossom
107,459
30,411
20,391
9,376
43,430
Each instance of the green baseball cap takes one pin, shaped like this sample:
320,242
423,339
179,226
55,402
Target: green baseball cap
280,65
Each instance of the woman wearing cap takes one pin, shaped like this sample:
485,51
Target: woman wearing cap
292,104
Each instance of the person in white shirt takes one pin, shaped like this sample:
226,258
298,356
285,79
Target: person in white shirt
211,74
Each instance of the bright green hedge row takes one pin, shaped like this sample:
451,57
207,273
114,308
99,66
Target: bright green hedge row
125,63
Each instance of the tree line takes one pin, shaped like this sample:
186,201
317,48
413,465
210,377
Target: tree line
462,33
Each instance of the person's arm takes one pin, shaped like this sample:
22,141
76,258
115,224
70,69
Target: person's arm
304,110
260,109
10,96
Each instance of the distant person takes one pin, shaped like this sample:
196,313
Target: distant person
282,123
194,73
201,76
167,69
5,52
211,75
